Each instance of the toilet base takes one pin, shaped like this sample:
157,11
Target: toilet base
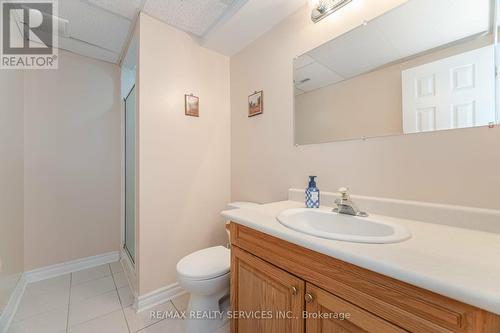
205,274
206,314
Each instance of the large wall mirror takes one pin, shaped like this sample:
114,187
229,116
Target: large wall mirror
426,65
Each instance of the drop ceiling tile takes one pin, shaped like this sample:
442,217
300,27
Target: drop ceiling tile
126,8
246,21
302,61
88,50
317,76
358,51
195,16
94,25
422,25
413,28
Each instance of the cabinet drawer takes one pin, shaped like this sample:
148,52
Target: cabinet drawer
406,306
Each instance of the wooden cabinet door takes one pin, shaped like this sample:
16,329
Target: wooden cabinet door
327,313
264,298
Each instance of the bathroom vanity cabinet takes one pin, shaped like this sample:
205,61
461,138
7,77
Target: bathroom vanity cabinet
277,286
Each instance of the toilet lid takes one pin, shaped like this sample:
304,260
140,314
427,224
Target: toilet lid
205,264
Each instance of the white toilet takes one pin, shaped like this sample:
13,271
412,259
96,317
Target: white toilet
205,275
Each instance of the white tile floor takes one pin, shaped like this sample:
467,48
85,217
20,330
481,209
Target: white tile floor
96,300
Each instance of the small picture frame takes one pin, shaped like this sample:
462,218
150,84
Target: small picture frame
191,105
256,103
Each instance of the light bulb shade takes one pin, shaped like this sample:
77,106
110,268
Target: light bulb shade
323,8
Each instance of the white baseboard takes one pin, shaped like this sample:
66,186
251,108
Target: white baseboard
158,296
71,266
10,309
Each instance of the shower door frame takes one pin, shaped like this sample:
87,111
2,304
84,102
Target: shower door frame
124,234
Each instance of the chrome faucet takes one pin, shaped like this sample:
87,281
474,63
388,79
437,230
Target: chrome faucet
345,204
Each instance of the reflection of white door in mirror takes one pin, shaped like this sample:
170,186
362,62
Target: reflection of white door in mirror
454,92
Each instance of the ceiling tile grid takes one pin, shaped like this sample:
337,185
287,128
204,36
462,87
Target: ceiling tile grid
94,26
100,28
314,76
414,28
125,8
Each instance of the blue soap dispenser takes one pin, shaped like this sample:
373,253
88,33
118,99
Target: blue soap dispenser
312,194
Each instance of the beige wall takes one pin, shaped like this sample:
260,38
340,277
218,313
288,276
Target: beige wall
72,161
184,175
346,110
11,182
457,167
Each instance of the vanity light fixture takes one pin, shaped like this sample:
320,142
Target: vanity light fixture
323,8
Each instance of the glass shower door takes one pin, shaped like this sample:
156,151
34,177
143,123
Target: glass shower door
130,173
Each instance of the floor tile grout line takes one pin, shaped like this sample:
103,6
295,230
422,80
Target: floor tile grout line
69,301
31,317
175,307
148,326
98,317
106,314
100,293
120,300
159,321
43,312
70,287
96,278
114,273
125,318
103,315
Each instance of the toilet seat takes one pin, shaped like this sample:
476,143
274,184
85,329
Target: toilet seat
205,264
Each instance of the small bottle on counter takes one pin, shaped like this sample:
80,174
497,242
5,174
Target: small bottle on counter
312,194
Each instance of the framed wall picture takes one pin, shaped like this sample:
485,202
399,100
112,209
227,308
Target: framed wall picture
192,105
256,103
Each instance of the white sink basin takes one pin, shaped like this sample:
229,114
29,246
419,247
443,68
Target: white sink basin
330,225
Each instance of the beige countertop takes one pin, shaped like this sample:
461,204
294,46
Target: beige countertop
462,264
